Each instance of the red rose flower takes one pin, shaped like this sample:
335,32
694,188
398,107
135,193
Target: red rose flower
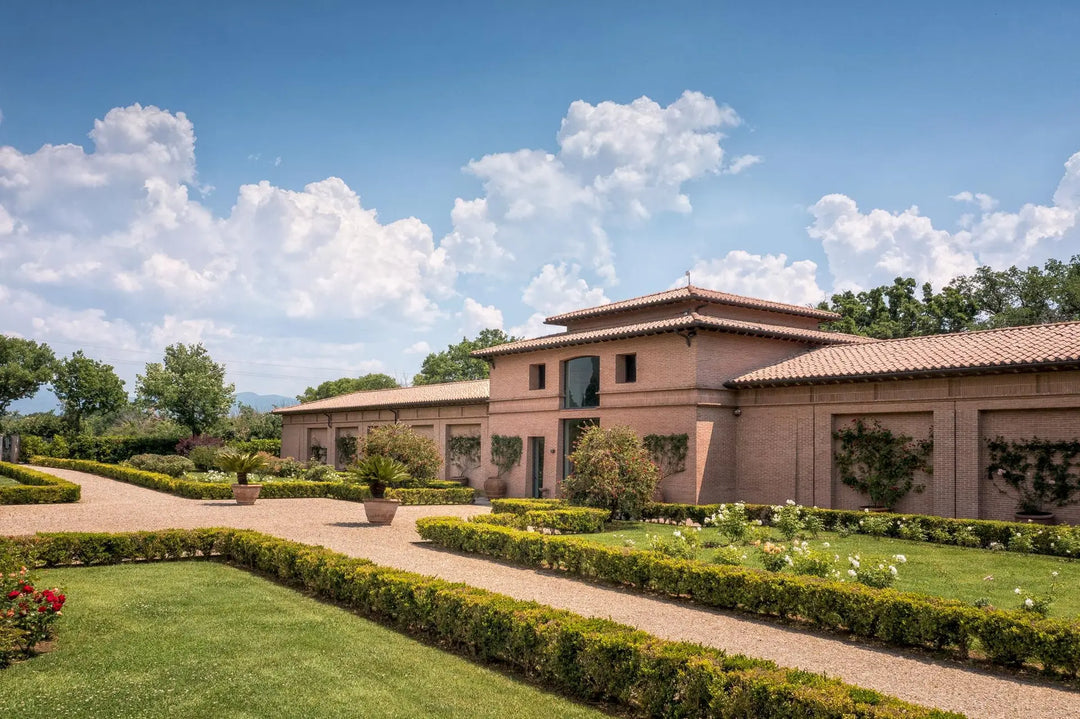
13,593
27,589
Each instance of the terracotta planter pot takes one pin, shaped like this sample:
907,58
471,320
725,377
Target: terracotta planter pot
495,487
1035,517
381,511
246,493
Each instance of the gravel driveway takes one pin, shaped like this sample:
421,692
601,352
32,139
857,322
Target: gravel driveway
109,505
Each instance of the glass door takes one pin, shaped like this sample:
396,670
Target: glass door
572,429
536,465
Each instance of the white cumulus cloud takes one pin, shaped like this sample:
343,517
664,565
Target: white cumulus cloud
556,289
767,276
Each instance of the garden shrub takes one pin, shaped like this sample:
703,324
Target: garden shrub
270,446
204,457
36,487
521,506
899,618
99,449
171,464
571,520
27,613
880,464
287,467
418,453
185,445
591,659
612,470
320,473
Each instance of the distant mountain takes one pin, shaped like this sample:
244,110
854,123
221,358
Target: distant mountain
264,402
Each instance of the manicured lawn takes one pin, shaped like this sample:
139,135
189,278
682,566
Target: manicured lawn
945,571
200,639
8,482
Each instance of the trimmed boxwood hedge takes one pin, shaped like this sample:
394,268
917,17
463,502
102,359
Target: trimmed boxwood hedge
38,487
901,618
592,659
572,520
270,490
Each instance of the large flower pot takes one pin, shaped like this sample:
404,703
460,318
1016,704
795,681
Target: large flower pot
381,511
1035,517
495,487
246,493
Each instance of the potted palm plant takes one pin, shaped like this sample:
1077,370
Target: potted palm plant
380,472
243,463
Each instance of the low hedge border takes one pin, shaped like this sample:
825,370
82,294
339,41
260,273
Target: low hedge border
39,488
270,490
572,520
1056,541
1008,638
591,659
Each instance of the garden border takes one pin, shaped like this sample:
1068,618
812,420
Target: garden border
591,659
270,490
907,619
40,488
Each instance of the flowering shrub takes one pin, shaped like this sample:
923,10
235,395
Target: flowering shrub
1038,603
812,562
732,556
773,556
682,544
793,520
877,573
612,471
876,525
731,521
26,614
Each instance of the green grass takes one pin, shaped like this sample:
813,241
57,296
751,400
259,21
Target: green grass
9,482
944,571
200,639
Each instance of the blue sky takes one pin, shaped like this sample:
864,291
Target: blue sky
779,153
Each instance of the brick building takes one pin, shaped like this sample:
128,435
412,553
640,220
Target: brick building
756,386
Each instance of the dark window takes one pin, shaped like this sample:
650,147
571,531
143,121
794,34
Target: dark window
537,376
581,383
626,368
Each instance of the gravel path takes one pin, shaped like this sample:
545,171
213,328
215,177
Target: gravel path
108,505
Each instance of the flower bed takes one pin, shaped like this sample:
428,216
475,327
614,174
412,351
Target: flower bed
270,490
1008,638
593,659
36,487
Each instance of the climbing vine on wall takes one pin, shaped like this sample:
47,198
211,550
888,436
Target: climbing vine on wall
1038,471
880,463
667,452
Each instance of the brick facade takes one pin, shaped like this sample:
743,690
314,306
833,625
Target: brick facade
753,443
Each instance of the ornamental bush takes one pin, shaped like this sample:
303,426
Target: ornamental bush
169,464
879,463
418,453
612,470
27,614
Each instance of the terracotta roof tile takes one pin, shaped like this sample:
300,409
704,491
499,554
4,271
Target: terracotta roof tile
426,394
691,293
673,324
1031,347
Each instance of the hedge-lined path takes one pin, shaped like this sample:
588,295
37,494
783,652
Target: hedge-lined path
108,505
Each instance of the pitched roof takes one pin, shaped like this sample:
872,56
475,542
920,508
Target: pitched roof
690,321
1031,348
691,293
470,392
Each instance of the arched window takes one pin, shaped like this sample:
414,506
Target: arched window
581,382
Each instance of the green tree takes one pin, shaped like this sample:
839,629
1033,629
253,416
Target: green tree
249,423
85,387
612,470
25,365
418,453
188,386
346,385
455,364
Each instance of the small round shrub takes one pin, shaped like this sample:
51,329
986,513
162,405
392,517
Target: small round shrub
612,470
204,456
320,473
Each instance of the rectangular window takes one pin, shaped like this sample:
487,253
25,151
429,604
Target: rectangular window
537,376
625,368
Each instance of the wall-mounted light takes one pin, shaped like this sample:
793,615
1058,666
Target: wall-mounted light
737,411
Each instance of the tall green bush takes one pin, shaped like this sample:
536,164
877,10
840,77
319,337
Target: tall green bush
418,453
612,470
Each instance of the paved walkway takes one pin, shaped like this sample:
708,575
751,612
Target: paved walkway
108,505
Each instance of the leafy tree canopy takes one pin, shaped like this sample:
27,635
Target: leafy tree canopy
85,387
985,299
345,385
248,423
188,386
25,365
454,363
